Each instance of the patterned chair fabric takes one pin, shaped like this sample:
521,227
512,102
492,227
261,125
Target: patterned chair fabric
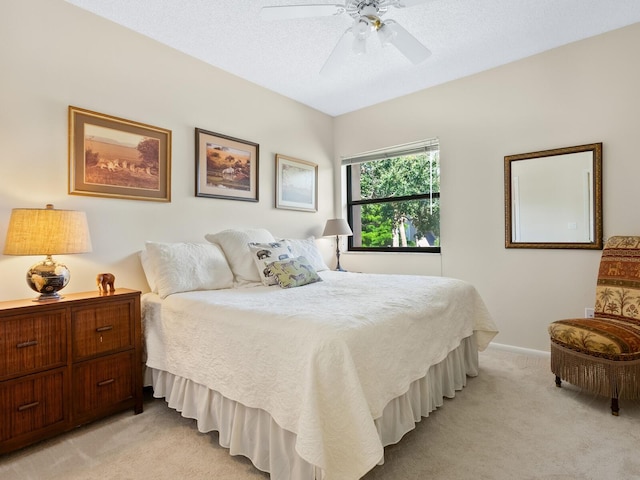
602,354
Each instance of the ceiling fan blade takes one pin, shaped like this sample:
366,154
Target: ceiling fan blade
359,46
395,34
406,3
300,11
339,54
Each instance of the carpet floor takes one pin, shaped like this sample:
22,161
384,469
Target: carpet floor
510,422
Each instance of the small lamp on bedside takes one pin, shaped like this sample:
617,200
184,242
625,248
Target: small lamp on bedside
46,231
337,227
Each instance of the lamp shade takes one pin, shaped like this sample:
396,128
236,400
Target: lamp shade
38,231
337,226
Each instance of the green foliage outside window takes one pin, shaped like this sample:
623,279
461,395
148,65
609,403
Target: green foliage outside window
397,202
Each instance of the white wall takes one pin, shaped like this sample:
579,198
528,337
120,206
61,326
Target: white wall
582,93
54,55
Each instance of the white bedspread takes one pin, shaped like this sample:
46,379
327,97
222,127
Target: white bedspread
324,359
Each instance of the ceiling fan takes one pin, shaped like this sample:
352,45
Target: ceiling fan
366,15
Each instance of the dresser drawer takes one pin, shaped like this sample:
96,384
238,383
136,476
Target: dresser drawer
67,362
29,343
99,385
31,404
103,328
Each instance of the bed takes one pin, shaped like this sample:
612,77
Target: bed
310,381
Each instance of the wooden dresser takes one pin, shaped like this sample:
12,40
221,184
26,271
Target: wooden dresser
67,362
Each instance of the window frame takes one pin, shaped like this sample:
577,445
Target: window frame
351,203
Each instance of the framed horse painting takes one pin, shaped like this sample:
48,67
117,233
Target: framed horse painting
226,167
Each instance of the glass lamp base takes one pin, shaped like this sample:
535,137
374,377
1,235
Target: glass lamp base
48,278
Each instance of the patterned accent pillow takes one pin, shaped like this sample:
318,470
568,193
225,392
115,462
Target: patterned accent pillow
266,253
294,272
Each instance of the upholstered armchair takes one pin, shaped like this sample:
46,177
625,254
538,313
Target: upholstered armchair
602,354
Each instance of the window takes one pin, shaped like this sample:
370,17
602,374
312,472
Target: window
393,199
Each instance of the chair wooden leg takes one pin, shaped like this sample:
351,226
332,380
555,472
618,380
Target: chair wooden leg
614,406
558,381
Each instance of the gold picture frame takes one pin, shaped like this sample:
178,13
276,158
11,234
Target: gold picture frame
553,198
226,167
118,158
296,184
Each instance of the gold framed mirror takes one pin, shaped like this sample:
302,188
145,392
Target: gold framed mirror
553,198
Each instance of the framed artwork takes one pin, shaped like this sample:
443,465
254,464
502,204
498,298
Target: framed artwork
296,184
118,158
226,167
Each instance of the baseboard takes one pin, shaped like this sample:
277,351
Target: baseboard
519,350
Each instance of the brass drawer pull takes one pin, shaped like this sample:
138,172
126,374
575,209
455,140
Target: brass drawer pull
104,329
106,382
30,343
27,406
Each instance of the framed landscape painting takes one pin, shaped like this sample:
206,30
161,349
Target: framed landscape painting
119,158
226,167
296,184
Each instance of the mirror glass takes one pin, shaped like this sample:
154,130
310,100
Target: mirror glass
553,198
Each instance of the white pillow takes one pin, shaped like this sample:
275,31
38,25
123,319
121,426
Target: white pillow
147,268
308,249
264,254
235,245
183,267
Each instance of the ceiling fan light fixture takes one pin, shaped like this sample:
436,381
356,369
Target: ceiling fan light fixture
369,9
362,28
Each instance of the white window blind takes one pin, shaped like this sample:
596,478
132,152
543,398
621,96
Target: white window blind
423,146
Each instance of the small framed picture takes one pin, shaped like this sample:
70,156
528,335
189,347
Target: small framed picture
296,184
226,167
118,158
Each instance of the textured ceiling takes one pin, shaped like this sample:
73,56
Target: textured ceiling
285,56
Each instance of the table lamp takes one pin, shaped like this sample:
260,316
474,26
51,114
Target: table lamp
337,227
46,231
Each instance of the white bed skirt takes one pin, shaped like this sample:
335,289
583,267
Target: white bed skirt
252,432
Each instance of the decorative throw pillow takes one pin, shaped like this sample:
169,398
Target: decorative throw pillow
308,249
183,267
235,245
266,253
294,272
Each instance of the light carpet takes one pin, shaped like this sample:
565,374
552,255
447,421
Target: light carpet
510,422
